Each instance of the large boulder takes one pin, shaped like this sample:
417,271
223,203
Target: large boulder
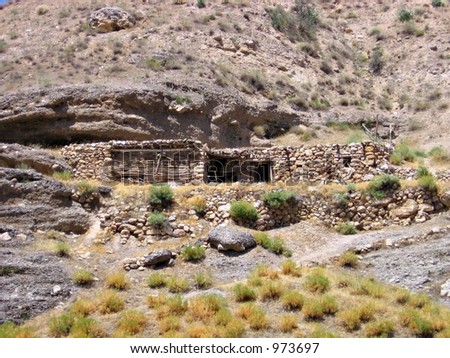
111,19
226,238
408,209
28,200
159,257
16,155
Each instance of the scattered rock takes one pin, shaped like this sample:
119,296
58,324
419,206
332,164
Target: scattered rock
159,257
111,19
445,198
230,238
409,209
445,289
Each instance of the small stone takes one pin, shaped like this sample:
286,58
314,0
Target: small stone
5,237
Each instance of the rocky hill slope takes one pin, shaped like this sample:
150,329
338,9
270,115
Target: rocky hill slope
230,73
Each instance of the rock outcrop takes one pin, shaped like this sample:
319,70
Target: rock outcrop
16,155
159,257
110,19
445,198
31,201
408,209
226,238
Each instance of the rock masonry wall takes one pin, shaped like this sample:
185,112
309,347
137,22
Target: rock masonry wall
140,161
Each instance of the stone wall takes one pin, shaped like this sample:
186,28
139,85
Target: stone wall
186,161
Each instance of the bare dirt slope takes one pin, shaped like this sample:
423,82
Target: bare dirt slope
224,65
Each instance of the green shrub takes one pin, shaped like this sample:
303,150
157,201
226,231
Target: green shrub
270,290
198,203
3,46
202,280
243,210
427,182
255,79
346,228
243,293
317,283
348,259
63,176
201,3
85,187
276,198
423,172
192,252
153,64
381,329
60,326
376,63
405,15
86,327
319,104
11,330
439,155
178,285
156,219
160,195
341,199
42,9
312,310
290,268
382,184
437,3
403,152
275,245
292,300
83,278
62,249
156,280
329,305
288,322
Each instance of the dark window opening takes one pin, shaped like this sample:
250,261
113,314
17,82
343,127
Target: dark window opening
346,161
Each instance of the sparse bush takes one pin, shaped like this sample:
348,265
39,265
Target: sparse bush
63,176
83,307
83,278
178,285
419,300
270,290
155,301
376,63
117,280
348,259
439,155
317,283
292,300
347,228
276,198
192,253
62,249
154,64
275,245
368,287
404,152
205,307
201,3
169,323
86,327
156,219
258,319
156,280
437,3
160,195
329,305
175,305
382,184
110,302
341,199
402,296
198,203
202,280
60,326
3,46
290,268
427,182
260,131
11,330
321,332
405,15
255,79
319,104
243,210
85,187
132,322
243,293
288,322
312,310
42,9
381,329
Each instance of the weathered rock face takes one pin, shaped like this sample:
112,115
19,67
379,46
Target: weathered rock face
31,281
409,209
159,257
29,200
230,238
111,19
15,155
445,198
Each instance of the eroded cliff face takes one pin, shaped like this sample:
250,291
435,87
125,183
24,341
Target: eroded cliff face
216,116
